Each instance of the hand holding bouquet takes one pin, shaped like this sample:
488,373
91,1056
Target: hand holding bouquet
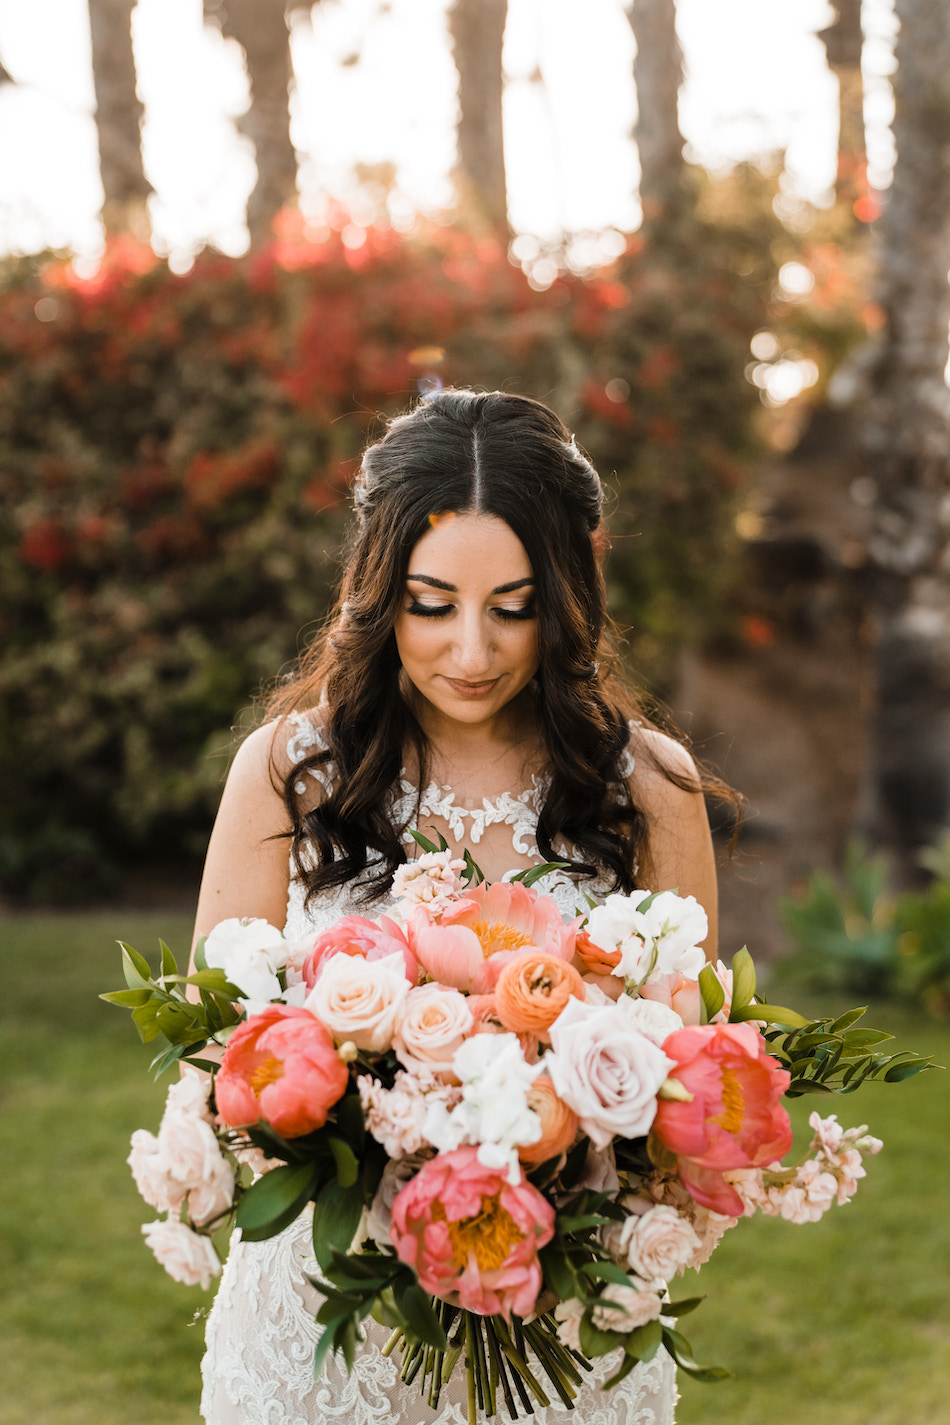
514,1132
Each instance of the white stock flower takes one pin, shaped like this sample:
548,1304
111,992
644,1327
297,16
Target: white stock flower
250,952
186,1256
493,1112
606,1071
657,941
360,1000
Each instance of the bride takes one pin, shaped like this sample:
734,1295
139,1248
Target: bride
457,689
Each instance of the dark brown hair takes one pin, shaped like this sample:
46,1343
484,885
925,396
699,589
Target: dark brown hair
512,458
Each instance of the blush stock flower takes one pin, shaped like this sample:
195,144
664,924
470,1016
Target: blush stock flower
432,880
280,1066
472,1236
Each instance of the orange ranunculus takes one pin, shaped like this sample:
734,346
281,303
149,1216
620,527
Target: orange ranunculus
533,989
558,1124
485,1015
280,1066
735,1117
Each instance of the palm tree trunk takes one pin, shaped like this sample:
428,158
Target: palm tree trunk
658,76
118,117
908,793
477,28
260,28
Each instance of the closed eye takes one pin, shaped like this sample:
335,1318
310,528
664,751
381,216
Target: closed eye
515,614
429,610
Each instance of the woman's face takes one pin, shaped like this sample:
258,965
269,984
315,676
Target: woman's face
466,631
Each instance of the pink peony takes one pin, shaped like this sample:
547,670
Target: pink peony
472,1236
735,1118
185,1255
476,937
679,992
280,1065
355,935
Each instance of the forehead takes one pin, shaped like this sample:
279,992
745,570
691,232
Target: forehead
470,547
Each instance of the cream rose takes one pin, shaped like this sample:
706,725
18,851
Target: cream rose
186,1256
360,1000
150,1171
434,1022
606,1071
653,1020
188,1147
659,1243
213,1196
623,1308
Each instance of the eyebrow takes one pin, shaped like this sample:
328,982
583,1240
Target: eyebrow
452,588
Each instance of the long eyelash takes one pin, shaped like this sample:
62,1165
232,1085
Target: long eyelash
429,610
516,614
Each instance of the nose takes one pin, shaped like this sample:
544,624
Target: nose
474,650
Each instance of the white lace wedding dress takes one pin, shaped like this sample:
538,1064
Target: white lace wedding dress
261,1333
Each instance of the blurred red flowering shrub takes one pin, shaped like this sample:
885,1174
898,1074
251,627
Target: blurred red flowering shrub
175,453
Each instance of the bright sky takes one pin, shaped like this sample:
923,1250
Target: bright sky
756,82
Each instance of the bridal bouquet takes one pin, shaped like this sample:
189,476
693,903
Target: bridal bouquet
513,1133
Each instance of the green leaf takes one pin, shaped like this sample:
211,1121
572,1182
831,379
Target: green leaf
128,999
347,1163
769,1013
199,957
581,1223
906,1070
682,1353
426,844
165,1058
845,1021
138,976
213,980
336,1216
472,875
606,1272
594,1342
684,1307
865,1038
534,873
644,1341
559,1273
169,965
574,1165
350,1121
146,1020
416,1307
714,996
743,982
275,1200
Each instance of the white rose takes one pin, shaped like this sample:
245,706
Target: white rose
250,952
185,1255
650,1018
150,1171
188,1148
659,1243
189,1094
213,1196
434,1022
607,1072
360,1000
623,1308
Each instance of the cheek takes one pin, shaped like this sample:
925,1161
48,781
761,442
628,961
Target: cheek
416,639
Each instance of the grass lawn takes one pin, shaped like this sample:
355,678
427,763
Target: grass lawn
845,1322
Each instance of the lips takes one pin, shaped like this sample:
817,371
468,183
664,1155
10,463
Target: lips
473,690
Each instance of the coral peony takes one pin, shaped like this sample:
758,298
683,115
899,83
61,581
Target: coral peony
280,1065
532,990
735,1118
472,1236
558,1124
477,936
355,935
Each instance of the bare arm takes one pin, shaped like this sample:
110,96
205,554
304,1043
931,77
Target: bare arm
681,851
245,873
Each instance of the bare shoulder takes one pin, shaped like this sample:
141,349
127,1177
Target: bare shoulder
680,850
